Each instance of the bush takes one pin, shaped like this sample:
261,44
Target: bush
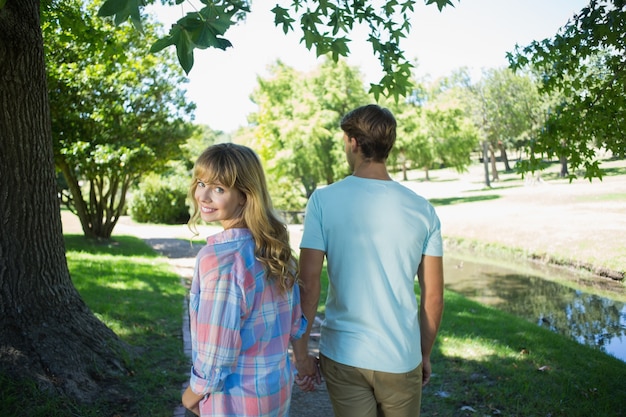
160,200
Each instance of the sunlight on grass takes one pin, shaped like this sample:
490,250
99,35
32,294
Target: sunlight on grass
468,348
127,285
117,326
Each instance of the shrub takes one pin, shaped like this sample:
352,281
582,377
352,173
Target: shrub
160,200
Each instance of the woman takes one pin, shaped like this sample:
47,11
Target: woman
244,302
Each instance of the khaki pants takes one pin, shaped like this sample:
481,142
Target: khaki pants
357,392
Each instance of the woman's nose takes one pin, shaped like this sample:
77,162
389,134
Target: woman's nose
204,194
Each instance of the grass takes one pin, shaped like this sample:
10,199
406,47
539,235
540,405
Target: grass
487,362
461,200
135,293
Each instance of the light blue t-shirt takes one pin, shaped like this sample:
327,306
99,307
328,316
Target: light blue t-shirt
374,234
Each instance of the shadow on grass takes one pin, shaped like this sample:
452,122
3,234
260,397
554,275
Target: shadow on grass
614,171
460,200
117,246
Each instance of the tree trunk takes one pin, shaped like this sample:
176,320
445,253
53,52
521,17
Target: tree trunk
486,162
504,157
564,171
563,159
402,160
494,171
47,333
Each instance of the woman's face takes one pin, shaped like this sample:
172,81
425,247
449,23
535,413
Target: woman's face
219,203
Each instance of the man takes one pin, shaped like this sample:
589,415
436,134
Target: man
376,235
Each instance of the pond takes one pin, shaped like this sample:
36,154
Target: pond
564,301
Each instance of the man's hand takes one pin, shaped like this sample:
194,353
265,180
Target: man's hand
308,373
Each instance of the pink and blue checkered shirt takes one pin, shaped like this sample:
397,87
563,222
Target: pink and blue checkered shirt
241,325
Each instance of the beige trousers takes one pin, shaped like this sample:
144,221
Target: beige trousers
357,392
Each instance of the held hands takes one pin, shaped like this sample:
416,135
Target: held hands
426,371
309,373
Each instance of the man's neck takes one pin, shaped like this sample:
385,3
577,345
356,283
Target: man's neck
371,170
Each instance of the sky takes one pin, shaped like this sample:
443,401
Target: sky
475,34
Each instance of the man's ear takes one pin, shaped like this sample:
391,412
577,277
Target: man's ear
354,145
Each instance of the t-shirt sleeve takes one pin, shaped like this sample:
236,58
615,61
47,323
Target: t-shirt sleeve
313,235
433,246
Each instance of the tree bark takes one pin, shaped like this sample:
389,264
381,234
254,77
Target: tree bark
504,157
494,170
564,171
486,162
47,333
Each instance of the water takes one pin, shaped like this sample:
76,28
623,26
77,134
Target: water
566,302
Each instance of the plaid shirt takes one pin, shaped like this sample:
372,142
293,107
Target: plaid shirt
240,330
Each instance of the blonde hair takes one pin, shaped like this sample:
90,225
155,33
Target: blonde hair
239,167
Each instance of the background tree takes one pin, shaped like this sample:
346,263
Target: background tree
116,112
297,128
506,104
434,128
411,148
585,62
280,135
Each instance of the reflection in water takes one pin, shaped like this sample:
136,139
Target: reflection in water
589,319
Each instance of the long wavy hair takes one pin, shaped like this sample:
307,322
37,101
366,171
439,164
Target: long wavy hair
239,167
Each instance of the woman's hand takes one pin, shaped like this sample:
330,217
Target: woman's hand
191,401
308,374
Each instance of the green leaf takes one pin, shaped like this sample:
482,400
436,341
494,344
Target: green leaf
111,7
161,44
184,51
122,10
440,3
2,3
340,47
281,17
135,16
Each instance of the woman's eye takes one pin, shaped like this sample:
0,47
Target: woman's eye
219,190
201,184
